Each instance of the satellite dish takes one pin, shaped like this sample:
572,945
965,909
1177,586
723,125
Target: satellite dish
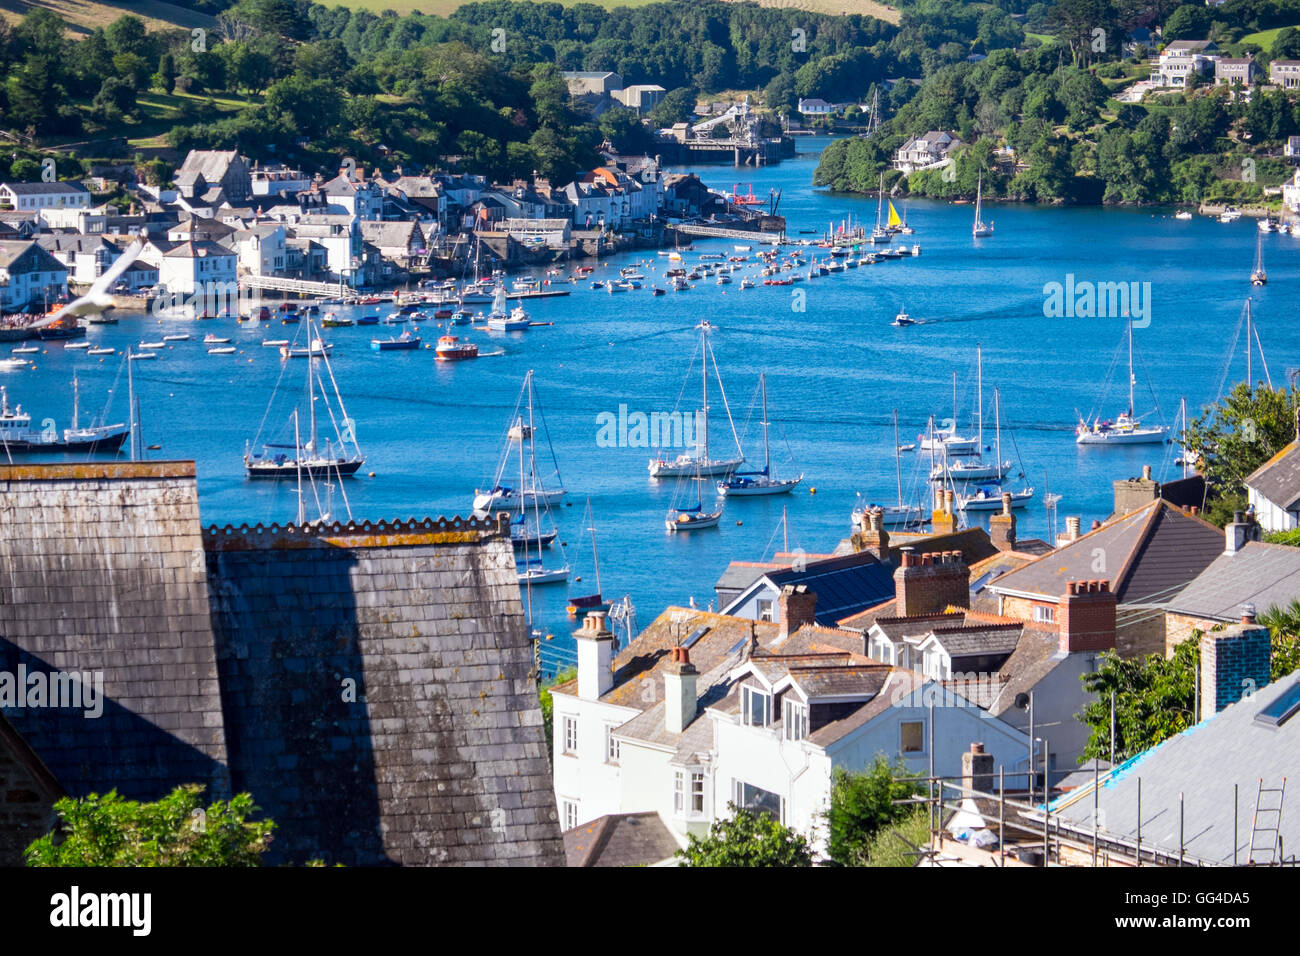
1022,701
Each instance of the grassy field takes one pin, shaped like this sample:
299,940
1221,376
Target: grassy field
1264,38
83,16
442,8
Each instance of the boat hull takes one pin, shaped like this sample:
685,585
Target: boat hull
1144,436
760,486
690,467
290,470
693,523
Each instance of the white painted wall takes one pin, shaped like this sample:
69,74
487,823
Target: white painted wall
1269,515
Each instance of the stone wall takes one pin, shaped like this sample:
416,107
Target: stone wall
27,794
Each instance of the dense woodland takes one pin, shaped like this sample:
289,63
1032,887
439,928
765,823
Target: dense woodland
482,90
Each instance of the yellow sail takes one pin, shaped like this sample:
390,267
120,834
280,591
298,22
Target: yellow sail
893,216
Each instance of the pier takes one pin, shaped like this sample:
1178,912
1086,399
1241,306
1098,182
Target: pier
715,232
297,286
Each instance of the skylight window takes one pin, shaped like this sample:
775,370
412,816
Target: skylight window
1285,706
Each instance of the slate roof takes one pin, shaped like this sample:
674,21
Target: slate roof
46,189
1278,479
197,250
211,164
1202,764
27,255
741,574
979,639
1148,556
620,839
844,585
1262,574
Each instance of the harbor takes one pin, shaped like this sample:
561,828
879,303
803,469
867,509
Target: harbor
835,369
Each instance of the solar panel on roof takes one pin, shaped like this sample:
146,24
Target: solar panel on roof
1283,708
695,636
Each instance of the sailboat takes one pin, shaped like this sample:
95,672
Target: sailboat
583,603
904,228
965,469
311,459
530,570
531,490
900,513
981,228
989,497
693,518
894,224
880,233
759,482
1125,430
700,464
946,439
1259,276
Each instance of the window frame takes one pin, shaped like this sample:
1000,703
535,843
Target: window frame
1044,614
569,810
613,748
747,695
901,742
697,793
766,609
569,726
679,793
794,716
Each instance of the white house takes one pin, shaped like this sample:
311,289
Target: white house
1181,58
340,237
25,197
1285,73
1273,490
29,276
354,197
86,257
277,180
819,107
260,249
197,267
920,152
703,710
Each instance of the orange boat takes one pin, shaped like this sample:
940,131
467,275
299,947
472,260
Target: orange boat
452,349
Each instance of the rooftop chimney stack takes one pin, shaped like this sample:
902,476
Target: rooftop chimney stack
1239,531
1002,526
1235,663
795,606
1086,617
680,691
942,521
1073,530
595,656
930,583
1134,493
871,534
976,771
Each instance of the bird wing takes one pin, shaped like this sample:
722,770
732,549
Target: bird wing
94,298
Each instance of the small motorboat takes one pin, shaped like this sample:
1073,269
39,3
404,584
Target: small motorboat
368,320
315,349
1183,214
903,319
274,343
179,337
403,342
211,339
101,351
12,364
146,346
26,350
333,320
222,350
143,355
452,349
76,346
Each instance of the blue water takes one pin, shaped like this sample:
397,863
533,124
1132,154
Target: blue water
432,432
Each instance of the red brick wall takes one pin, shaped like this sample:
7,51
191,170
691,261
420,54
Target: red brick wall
928,583
1086,618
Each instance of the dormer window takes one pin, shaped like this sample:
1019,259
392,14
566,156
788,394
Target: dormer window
755,706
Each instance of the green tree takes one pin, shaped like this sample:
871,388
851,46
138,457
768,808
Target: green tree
861,805
115,99
1284,623
1286,45
133,68
677,106
1240,432
175,831
747,839
1188,22
625,131
1155,698
165,78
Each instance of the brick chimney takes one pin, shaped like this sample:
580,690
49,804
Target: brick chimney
795,607
1134,493
942,521
1086,617
976,770
928,583
871,535
1073,530
680,685
1235,662
1238,531
595,656
1002,527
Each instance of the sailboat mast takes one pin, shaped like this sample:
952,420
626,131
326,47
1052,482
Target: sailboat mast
594,556
311,391
704,368
997,425
767,457
898,460
130,400
1130,367
1182,413
528,581
76,401
1250,346
880,197
297,441
979,379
